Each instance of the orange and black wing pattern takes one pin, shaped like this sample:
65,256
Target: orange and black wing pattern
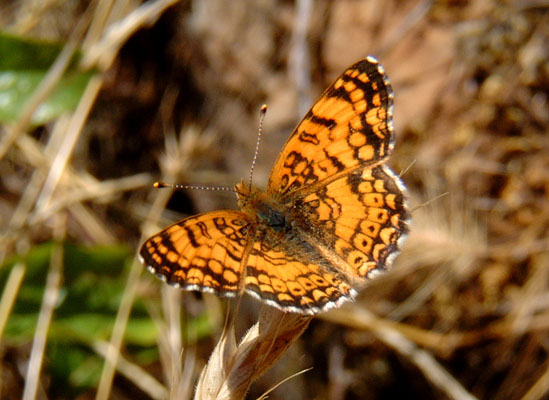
204,252
360,218
332,216
288,277
349,127
332,178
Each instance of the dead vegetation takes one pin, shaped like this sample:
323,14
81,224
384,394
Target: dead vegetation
464,313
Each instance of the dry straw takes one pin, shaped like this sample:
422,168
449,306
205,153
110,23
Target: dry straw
232,368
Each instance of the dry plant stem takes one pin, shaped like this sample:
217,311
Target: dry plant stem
95,228
51,294
69,141
29,149
122,316
41,159
182,379
141,378
179,376
179,150
97,191
105,54
144,15
418,298
404,28
58,166
137,18
426,363
104,51
11,289
540,388
447,343
299,58
265,396
101,15
54,74
124,310
231,369
187,375
522,314
170,339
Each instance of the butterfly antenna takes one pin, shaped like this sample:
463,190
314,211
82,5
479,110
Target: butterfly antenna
160,185
262,113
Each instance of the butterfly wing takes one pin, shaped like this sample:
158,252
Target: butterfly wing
347,211
330,175
207,252
203,252
362,218
284,276
349,126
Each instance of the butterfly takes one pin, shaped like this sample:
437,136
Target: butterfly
333,215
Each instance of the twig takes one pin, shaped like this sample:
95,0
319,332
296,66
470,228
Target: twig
51,294
423,360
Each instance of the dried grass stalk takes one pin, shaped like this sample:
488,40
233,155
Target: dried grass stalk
232,368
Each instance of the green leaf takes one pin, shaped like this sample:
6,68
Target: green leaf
73,368
23,65
94,280
22,54
20,329
86,374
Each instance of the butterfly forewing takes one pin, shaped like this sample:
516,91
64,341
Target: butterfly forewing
349,126
203,252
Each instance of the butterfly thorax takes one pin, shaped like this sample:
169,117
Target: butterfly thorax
259,206
275,228
275,225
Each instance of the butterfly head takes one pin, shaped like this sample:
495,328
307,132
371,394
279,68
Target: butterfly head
243,194
249,197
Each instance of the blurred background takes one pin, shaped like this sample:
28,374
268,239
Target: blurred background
100,99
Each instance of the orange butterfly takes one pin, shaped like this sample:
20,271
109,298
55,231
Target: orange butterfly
332,216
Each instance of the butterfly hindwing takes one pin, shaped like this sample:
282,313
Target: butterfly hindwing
361,217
